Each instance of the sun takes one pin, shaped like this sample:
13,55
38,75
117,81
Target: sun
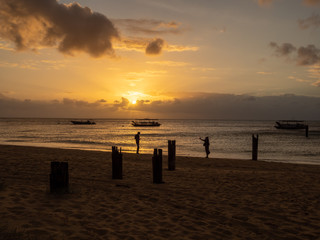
133,96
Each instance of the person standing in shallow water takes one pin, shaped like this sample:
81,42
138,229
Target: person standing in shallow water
206,145
137,137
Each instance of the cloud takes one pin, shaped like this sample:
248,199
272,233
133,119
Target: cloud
284,50
305,56
192,105
265,2
71,28
123,104
308,55
220,30
179,48
311,2
4,45
139,76
140,44
148,26
299,79
150,46
25,65
305,2
132,44
229,106
168,63
314,72
155,47
313,21
265,73
34,64
203,69
316,84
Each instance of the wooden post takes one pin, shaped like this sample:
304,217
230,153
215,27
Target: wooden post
255,147
157,166
307,131
171,155
59,177
116,163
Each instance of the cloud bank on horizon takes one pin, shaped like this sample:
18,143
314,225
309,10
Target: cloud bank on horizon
196,105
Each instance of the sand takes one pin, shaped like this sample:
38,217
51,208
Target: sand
201,199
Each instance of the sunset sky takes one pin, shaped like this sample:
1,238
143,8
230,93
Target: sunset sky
231,59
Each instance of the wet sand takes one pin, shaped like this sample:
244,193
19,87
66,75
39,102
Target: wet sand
201,199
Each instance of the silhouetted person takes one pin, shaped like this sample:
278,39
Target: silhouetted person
137,137
206,145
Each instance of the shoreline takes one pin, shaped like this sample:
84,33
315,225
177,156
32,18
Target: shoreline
201,199
165,154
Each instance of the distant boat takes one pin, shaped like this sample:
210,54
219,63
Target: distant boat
146,122
83,122
290,124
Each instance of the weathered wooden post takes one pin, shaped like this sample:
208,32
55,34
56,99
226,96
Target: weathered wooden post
307,131
157,166
116,163
255,147
171,155
59,177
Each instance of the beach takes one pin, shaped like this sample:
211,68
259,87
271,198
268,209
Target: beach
202,199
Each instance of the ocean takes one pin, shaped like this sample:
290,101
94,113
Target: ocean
228,139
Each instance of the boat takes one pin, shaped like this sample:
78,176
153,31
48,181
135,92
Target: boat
146,122
290,124
83,122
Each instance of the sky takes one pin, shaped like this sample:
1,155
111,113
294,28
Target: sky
212,59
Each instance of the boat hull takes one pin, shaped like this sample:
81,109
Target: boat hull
145,123
290,125
83,122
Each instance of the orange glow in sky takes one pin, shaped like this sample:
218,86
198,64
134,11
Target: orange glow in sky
152,53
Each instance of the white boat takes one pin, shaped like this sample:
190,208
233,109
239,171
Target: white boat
146,122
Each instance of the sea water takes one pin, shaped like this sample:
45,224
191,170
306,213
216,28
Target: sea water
228,139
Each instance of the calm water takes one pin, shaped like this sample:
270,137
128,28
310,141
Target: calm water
228,139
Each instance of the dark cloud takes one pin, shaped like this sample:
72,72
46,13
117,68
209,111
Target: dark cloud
148,26
284,50
123,104
304,56
308,55
72,28
229,106
201,105
155,47
313,21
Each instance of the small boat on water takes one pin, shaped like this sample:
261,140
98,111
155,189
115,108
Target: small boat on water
83,122
290,124
146,122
